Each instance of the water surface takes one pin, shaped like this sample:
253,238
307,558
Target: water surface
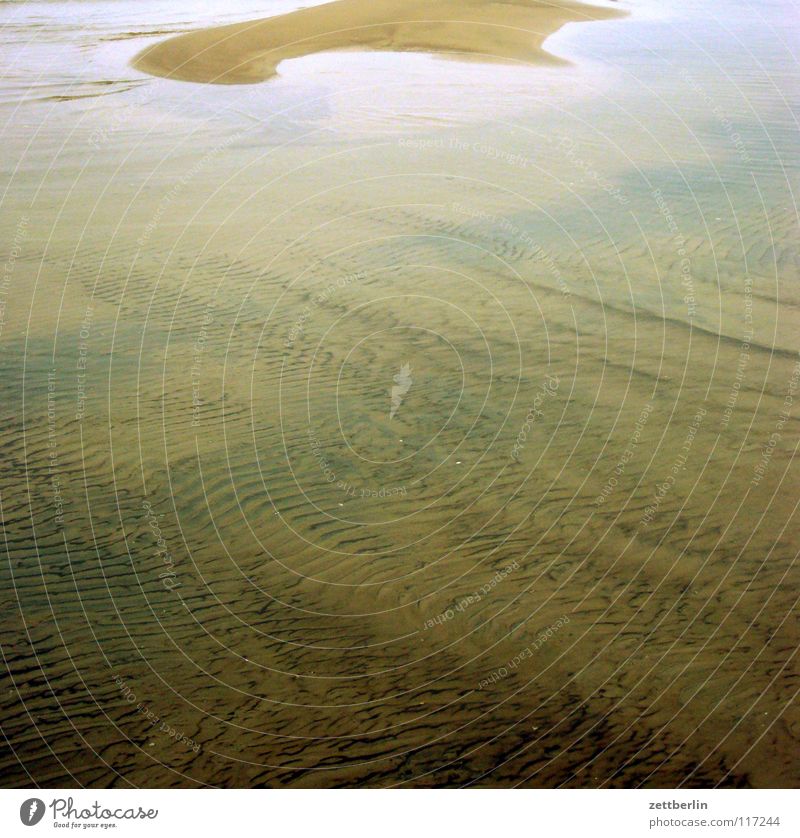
563,552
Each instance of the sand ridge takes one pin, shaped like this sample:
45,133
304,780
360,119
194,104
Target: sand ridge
249,52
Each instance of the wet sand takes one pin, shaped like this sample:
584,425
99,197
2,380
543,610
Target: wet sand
353,438
243,53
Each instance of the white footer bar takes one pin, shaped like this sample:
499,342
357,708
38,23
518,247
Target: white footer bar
401,813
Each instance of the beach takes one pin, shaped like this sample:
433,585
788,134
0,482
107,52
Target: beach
243,53
399,395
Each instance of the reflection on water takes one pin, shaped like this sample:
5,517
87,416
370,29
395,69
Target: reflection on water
402,421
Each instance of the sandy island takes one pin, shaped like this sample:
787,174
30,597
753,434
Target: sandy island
244,53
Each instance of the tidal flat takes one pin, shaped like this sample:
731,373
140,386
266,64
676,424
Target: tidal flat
401,410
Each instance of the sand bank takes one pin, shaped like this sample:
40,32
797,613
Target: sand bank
243,53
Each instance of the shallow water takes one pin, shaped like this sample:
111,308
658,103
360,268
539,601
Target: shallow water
563,552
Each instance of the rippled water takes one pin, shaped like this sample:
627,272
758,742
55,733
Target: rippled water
401,420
